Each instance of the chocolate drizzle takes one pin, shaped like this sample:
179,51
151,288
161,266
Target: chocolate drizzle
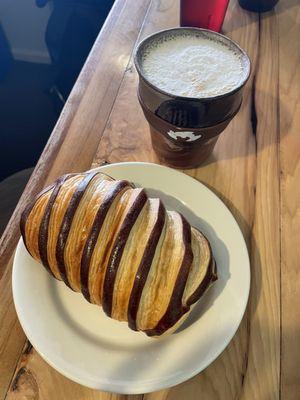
175,308
117,251
215,271
209,277
67,222
94,233
144,267
44,225
27,211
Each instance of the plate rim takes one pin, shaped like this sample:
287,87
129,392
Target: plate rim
132,387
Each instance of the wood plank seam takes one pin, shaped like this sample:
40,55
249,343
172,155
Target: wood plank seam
260,146
279,200
279,169
254,124
253,121
127,69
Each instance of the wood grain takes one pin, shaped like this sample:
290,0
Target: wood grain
11,335
289,95
254,169
35,380
262,378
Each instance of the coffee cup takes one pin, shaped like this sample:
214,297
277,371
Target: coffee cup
199,97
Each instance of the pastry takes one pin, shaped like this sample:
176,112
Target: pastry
120,248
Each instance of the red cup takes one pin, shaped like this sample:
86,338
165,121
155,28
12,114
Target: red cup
208,14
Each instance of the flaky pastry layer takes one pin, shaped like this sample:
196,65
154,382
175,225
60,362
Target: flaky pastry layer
121,249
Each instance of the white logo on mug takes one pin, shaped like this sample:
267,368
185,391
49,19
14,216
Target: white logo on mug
188,135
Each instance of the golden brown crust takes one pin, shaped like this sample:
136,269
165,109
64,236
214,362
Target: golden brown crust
82,222
56,217
121,249
162,276
32,225
132,256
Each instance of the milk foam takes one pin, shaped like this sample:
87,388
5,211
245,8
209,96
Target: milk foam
193,66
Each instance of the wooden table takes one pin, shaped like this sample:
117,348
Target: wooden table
255,169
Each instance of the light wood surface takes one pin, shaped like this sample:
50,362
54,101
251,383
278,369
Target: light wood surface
289,130
254,169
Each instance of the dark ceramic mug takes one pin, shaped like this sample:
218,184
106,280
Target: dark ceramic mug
187,113
182,147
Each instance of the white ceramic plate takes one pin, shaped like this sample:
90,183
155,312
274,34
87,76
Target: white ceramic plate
78,340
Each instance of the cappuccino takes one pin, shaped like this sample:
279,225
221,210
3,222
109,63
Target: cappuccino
193,66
